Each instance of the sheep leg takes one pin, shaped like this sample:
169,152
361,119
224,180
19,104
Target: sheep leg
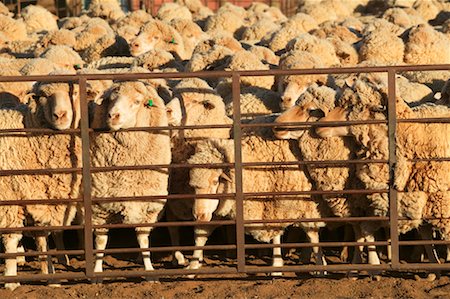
373,258
347,236
201,235
58,237
11,242
45,259
426,233
174,233
144,243
357,254
313,236
101,239
277,258
447,259
21,258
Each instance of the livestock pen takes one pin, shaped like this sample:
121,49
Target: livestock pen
241,264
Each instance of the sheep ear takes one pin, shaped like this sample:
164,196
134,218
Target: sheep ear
349,81
174,114
226,177
31,101
317,113
208,105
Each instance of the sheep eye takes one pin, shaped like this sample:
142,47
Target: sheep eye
137,102
215,181
316,113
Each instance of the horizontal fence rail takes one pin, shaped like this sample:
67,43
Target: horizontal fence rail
242,263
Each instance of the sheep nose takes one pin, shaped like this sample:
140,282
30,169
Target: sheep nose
114,115
59,114
135,45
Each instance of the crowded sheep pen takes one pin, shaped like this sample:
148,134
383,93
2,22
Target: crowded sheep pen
243,141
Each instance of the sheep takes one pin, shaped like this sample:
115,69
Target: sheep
215,58
244,60
414,182
112,62
128,26
37,19
108,45
405,18
63,56
156,59
262,11
299,23
327,10
291,87
53,109
309,108
219,39
381,25
334,30
12,29
227,21
424,45
383,47
109,10
199,11
309,43
160,36
257,31
55,37
4,10
254,101
258,147
39,66
89,32
190,32
170,11
202,105
13,92
265,55
126,105
345,52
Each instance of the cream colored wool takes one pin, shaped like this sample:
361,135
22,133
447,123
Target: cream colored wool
190,32
37,19
382,47
56,37
12,29
169,11
63,56
316,46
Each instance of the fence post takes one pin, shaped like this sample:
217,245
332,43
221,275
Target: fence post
239,199
393,210
86,180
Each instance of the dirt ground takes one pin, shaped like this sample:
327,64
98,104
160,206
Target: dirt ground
256,287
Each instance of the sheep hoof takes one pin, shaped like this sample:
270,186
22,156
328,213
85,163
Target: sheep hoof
97,280
376,277
353,275
194,265
54,284
276,274
178,259
154,280
21,261
319,273
64,260
12,285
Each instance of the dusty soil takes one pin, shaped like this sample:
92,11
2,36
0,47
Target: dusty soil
256,287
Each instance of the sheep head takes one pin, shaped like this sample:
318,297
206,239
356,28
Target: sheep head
60,104
304,113
337,114
125,101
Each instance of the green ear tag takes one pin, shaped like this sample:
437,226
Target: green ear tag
149,103
173,41
77,66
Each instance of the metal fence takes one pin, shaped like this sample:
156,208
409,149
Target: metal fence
241,247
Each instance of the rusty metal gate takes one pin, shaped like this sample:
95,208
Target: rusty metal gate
241,265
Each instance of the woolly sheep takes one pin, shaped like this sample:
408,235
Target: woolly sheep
108,45
220,39
297,24
124,106
38,152
202,105
12,93
199,11
128,27
383,47
37,19
159,36
111,62
4,10
257,31
12,29
334,30
381,25
169,11
191,33
227,21
63,56
215,58
39,66
265,55
326,10
291,87
309,43
262,11
405,18
109,10
259,147
156,59
90,31
55,37
312,105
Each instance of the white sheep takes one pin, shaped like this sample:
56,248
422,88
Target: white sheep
127,105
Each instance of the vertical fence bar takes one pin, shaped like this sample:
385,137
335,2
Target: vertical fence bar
87,197
237,133
18,7
393,210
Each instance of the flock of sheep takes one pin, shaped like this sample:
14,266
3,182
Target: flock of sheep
187,36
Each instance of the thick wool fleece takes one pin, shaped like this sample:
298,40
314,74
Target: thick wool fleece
131,148
259,149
